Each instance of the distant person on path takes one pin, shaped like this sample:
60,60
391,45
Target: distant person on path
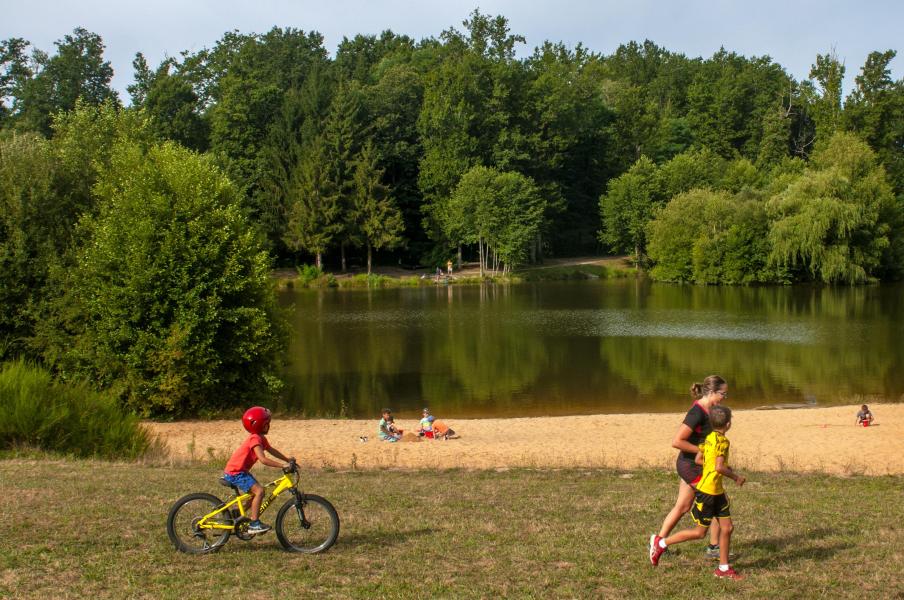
449,267
710,502
864,416
691,433
387,431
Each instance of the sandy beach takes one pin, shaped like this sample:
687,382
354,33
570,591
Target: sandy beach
811,440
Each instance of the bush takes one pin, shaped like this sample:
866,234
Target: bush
170,300
67,418
311,276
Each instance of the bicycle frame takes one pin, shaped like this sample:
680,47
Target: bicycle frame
282,484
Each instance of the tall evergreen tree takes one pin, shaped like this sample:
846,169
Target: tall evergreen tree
313,205
376,215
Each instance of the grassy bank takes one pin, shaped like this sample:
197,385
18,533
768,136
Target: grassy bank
313,278
96,529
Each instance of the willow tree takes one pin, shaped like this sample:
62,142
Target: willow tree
834,221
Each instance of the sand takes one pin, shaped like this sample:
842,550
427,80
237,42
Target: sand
822,440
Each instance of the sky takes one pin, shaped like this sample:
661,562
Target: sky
792,32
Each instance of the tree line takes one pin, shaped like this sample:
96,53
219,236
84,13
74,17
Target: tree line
135,239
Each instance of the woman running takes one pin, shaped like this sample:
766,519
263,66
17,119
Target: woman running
691,433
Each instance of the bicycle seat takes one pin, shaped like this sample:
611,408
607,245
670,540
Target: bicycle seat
225,483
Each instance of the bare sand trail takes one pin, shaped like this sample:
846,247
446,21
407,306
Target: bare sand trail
814,439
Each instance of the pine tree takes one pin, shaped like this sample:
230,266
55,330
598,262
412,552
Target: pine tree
377,216
313,205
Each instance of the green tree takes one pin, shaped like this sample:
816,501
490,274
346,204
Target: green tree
343,133
32,231
500,211
313,204
776,140
875,110
77,72
824,95
833,222
174,110
170,303
375,212
627,207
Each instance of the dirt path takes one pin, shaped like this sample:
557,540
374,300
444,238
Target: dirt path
818,439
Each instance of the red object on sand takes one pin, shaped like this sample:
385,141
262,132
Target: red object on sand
865,423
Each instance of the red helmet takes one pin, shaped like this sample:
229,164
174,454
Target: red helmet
256,419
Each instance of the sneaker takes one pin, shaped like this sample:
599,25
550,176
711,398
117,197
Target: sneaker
729,574
655,549
713,552
257,527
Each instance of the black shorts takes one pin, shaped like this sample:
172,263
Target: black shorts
707,506
688,470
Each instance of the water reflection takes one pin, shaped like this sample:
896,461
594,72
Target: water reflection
589,347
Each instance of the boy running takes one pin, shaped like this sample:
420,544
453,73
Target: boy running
710,500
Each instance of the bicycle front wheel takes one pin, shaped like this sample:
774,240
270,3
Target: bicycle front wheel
184,529
308,524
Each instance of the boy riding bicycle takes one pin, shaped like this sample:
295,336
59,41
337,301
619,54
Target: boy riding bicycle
256,421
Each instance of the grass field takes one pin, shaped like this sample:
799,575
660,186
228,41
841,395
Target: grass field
83,528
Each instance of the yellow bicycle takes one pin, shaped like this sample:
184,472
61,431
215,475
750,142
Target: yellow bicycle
200,523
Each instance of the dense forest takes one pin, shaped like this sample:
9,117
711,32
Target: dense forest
136,235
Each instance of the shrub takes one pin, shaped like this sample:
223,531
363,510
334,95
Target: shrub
67,418
170,300
311,276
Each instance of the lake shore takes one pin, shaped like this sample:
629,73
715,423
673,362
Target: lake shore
824,440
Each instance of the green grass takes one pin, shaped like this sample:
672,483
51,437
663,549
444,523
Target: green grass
70,418
84,528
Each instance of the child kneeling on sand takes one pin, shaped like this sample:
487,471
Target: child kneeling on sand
864,416
710,501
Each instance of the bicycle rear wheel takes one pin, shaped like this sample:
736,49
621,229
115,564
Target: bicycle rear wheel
182,524
309,524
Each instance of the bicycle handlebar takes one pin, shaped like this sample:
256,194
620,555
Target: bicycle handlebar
292,467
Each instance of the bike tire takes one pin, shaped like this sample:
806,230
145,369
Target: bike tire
180,524
322,530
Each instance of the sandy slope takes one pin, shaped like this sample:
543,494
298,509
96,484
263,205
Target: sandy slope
817,439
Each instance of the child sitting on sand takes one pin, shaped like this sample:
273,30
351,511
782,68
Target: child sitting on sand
388,431
864,416
425,427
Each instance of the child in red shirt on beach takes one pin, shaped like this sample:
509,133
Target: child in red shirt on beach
257,422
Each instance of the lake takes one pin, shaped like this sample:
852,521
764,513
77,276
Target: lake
602,346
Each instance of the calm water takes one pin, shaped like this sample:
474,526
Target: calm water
588,347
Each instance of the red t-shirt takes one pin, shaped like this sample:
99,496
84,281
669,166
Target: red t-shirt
244,457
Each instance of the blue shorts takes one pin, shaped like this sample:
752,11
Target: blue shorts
242,480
